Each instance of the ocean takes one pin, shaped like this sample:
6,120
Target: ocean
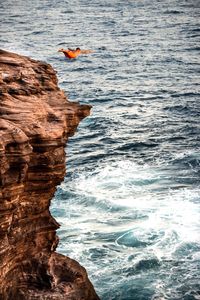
129,206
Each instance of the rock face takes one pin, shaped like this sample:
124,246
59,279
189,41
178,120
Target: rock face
35,121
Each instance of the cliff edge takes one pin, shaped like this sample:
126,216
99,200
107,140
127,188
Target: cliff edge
36,120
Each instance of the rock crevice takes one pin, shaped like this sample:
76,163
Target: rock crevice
36,120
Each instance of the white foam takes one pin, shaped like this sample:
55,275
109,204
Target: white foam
121,182
125,183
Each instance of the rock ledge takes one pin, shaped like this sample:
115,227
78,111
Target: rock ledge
36,120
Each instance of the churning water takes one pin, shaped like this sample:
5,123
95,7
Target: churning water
129,205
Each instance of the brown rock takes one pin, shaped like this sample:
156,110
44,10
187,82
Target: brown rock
35,122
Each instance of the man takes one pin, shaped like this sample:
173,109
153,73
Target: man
70,53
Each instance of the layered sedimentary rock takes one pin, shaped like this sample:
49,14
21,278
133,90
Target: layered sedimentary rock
35,121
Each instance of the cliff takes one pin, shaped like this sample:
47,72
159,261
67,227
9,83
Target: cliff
36,120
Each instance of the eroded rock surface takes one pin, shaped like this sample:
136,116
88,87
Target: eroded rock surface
35,121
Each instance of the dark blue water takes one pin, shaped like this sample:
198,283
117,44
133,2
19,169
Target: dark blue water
129,205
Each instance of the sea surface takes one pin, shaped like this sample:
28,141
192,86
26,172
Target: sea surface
129,206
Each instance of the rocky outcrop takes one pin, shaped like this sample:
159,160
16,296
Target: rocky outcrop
35,122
